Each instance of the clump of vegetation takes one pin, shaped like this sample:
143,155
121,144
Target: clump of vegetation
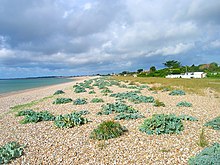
31,116
58,92
128,116
214,124
184,104
10,151
187,117
106,90
107,130
97,100
202,139
117,107
62,100
92,92
158,103
79,101
79,89
69,120
133,97
83,112
162,124
177,92
208,156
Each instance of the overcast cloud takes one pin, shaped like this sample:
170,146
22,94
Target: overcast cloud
70,37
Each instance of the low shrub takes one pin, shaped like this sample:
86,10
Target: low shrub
10,151
158,103
214,124
128,116
177,92
208,156
79,89
34,117
107,130
162,124
92,92
117,107
62,100
58,92
79,101
25,112
97,100
69,120
106,90
184,104
187,117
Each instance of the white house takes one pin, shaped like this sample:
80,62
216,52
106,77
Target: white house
188,75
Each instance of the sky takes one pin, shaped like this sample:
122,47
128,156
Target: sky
79,37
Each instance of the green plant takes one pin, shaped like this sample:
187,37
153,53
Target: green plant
184,104
202,139
34,117
58,92
92,92
10,151
79,101
79,89
117,107
69,120
208,156
83,112
128,116
158,103
97,100
187,117
107,130
177,92
162,124
214,124
62,100
106,90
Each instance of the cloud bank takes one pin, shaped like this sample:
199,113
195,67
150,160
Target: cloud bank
55,37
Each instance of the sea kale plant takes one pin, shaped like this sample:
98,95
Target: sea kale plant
58,92
128,116
208,156
214,124
97,100
184,104
107,130
10,151
117,107
177,92
31,116
62,100
69,120
79,89
80,101
106,90
92,92
83,112
162,124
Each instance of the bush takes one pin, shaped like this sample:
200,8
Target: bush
79,101
10,151
177,92
157,103
117,107
58,92
162,124
69,120
62,100
208,156
106,90
184,104
214,124
128,116
97,100
189,118
79,89
34,117
107,130
92,92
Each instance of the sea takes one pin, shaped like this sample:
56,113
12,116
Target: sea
14,85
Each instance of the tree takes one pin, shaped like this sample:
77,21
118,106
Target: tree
140,70
152,69
172,64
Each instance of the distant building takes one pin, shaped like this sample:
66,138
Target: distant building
188,75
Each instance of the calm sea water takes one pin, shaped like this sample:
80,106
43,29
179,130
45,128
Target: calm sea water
22,84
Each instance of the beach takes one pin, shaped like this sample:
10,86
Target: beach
46,144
